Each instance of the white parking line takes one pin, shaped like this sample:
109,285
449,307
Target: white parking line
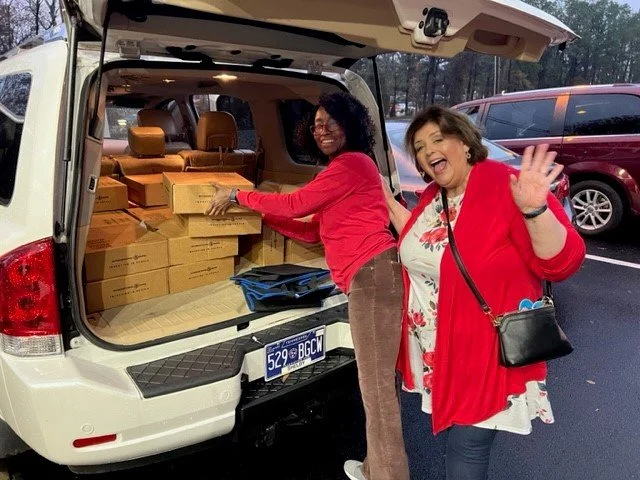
613,261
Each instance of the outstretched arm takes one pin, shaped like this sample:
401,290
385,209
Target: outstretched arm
397,213
331,186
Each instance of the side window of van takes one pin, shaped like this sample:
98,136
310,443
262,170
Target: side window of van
471,112
14,96
237,107
603,114
528,119
292,113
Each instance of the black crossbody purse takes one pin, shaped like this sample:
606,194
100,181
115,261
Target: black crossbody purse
527,336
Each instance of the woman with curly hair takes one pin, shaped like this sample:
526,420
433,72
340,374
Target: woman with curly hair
351,219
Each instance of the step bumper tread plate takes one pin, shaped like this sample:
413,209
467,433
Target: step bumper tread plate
221,361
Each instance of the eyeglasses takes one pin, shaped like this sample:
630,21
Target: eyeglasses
329,127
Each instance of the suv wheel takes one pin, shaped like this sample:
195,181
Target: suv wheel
598,207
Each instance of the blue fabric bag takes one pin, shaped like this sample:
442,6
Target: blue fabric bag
282,287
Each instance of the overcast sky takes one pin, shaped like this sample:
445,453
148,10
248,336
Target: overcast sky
634,4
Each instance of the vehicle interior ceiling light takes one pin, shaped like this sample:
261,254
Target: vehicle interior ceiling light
225,77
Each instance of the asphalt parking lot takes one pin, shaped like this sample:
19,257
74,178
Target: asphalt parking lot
594,394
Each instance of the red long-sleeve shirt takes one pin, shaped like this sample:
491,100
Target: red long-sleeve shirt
350,214
469,384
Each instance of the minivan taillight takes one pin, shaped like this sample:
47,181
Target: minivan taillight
29,315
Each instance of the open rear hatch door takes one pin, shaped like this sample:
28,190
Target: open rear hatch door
297,33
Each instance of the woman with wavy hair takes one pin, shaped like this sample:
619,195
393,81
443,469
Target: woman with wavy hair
351,219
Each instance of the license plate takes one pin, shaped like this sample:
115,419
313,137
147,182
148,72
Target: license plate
293,353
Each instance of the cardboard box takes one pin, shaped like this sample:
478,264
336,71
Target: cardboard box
184,249
298,252
111,219
153,217
146,190
194,275
191,192
265,249
123,250
124,290
224,226
110,195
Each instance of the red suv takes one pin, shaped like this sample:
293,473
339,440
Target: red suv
596,131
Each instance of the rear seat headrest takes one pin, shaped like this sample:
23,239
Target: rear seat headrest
217,130
146,141
149,117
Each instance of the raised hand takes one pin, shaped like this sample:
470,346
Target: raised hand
531,187
220,202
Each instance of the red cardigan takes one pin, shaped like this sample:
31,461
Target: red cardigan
351,216
469,384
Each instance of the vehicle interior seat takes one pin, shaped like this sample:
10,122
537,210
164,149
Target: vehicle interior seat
147,154
174,140
108,167
217,147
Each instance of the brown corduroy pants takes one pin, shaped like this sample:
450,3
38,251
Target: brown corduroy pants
375,317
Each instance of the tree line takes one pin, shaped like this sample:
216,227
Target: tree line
22,19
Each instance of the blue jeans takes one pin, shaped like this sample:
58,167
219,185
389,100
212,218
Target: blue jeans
468,451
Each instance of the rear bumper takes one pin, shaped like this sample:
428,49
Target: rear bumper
265,408
54,401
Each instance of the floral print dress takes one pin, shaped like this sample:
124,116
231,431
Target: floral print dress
421,253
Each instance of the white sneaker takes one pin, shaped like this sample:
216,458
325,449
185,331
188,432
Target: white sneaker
353,469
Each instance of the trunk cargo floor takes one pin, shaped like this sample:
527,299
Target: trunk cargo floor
176,313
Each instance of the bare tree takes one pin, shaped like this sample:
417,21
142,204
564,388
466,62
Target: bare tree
51,15
7,37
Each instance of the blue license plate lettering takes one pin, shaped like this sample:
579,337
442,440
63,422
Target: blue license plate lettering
293,353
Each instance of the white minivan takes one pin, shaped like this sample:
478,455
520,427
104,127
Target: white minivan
103,390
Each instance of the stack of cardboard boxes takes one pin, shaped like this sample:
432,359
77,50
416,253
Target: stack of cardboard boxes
201,248
145,252
124,262
137,252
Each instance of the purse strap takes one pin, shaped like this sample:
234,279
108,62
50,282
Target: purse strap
463,270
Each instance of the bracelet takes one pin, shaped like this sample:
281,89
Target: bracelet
535,213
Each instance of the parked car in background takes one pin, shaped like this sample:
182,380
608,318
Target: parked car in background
412,183
596,132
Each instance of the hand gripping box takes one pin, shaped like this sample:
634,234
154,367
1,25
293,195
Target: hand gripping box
191,192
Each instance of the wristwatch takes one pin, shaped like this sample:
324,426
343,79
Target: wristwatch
233,196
